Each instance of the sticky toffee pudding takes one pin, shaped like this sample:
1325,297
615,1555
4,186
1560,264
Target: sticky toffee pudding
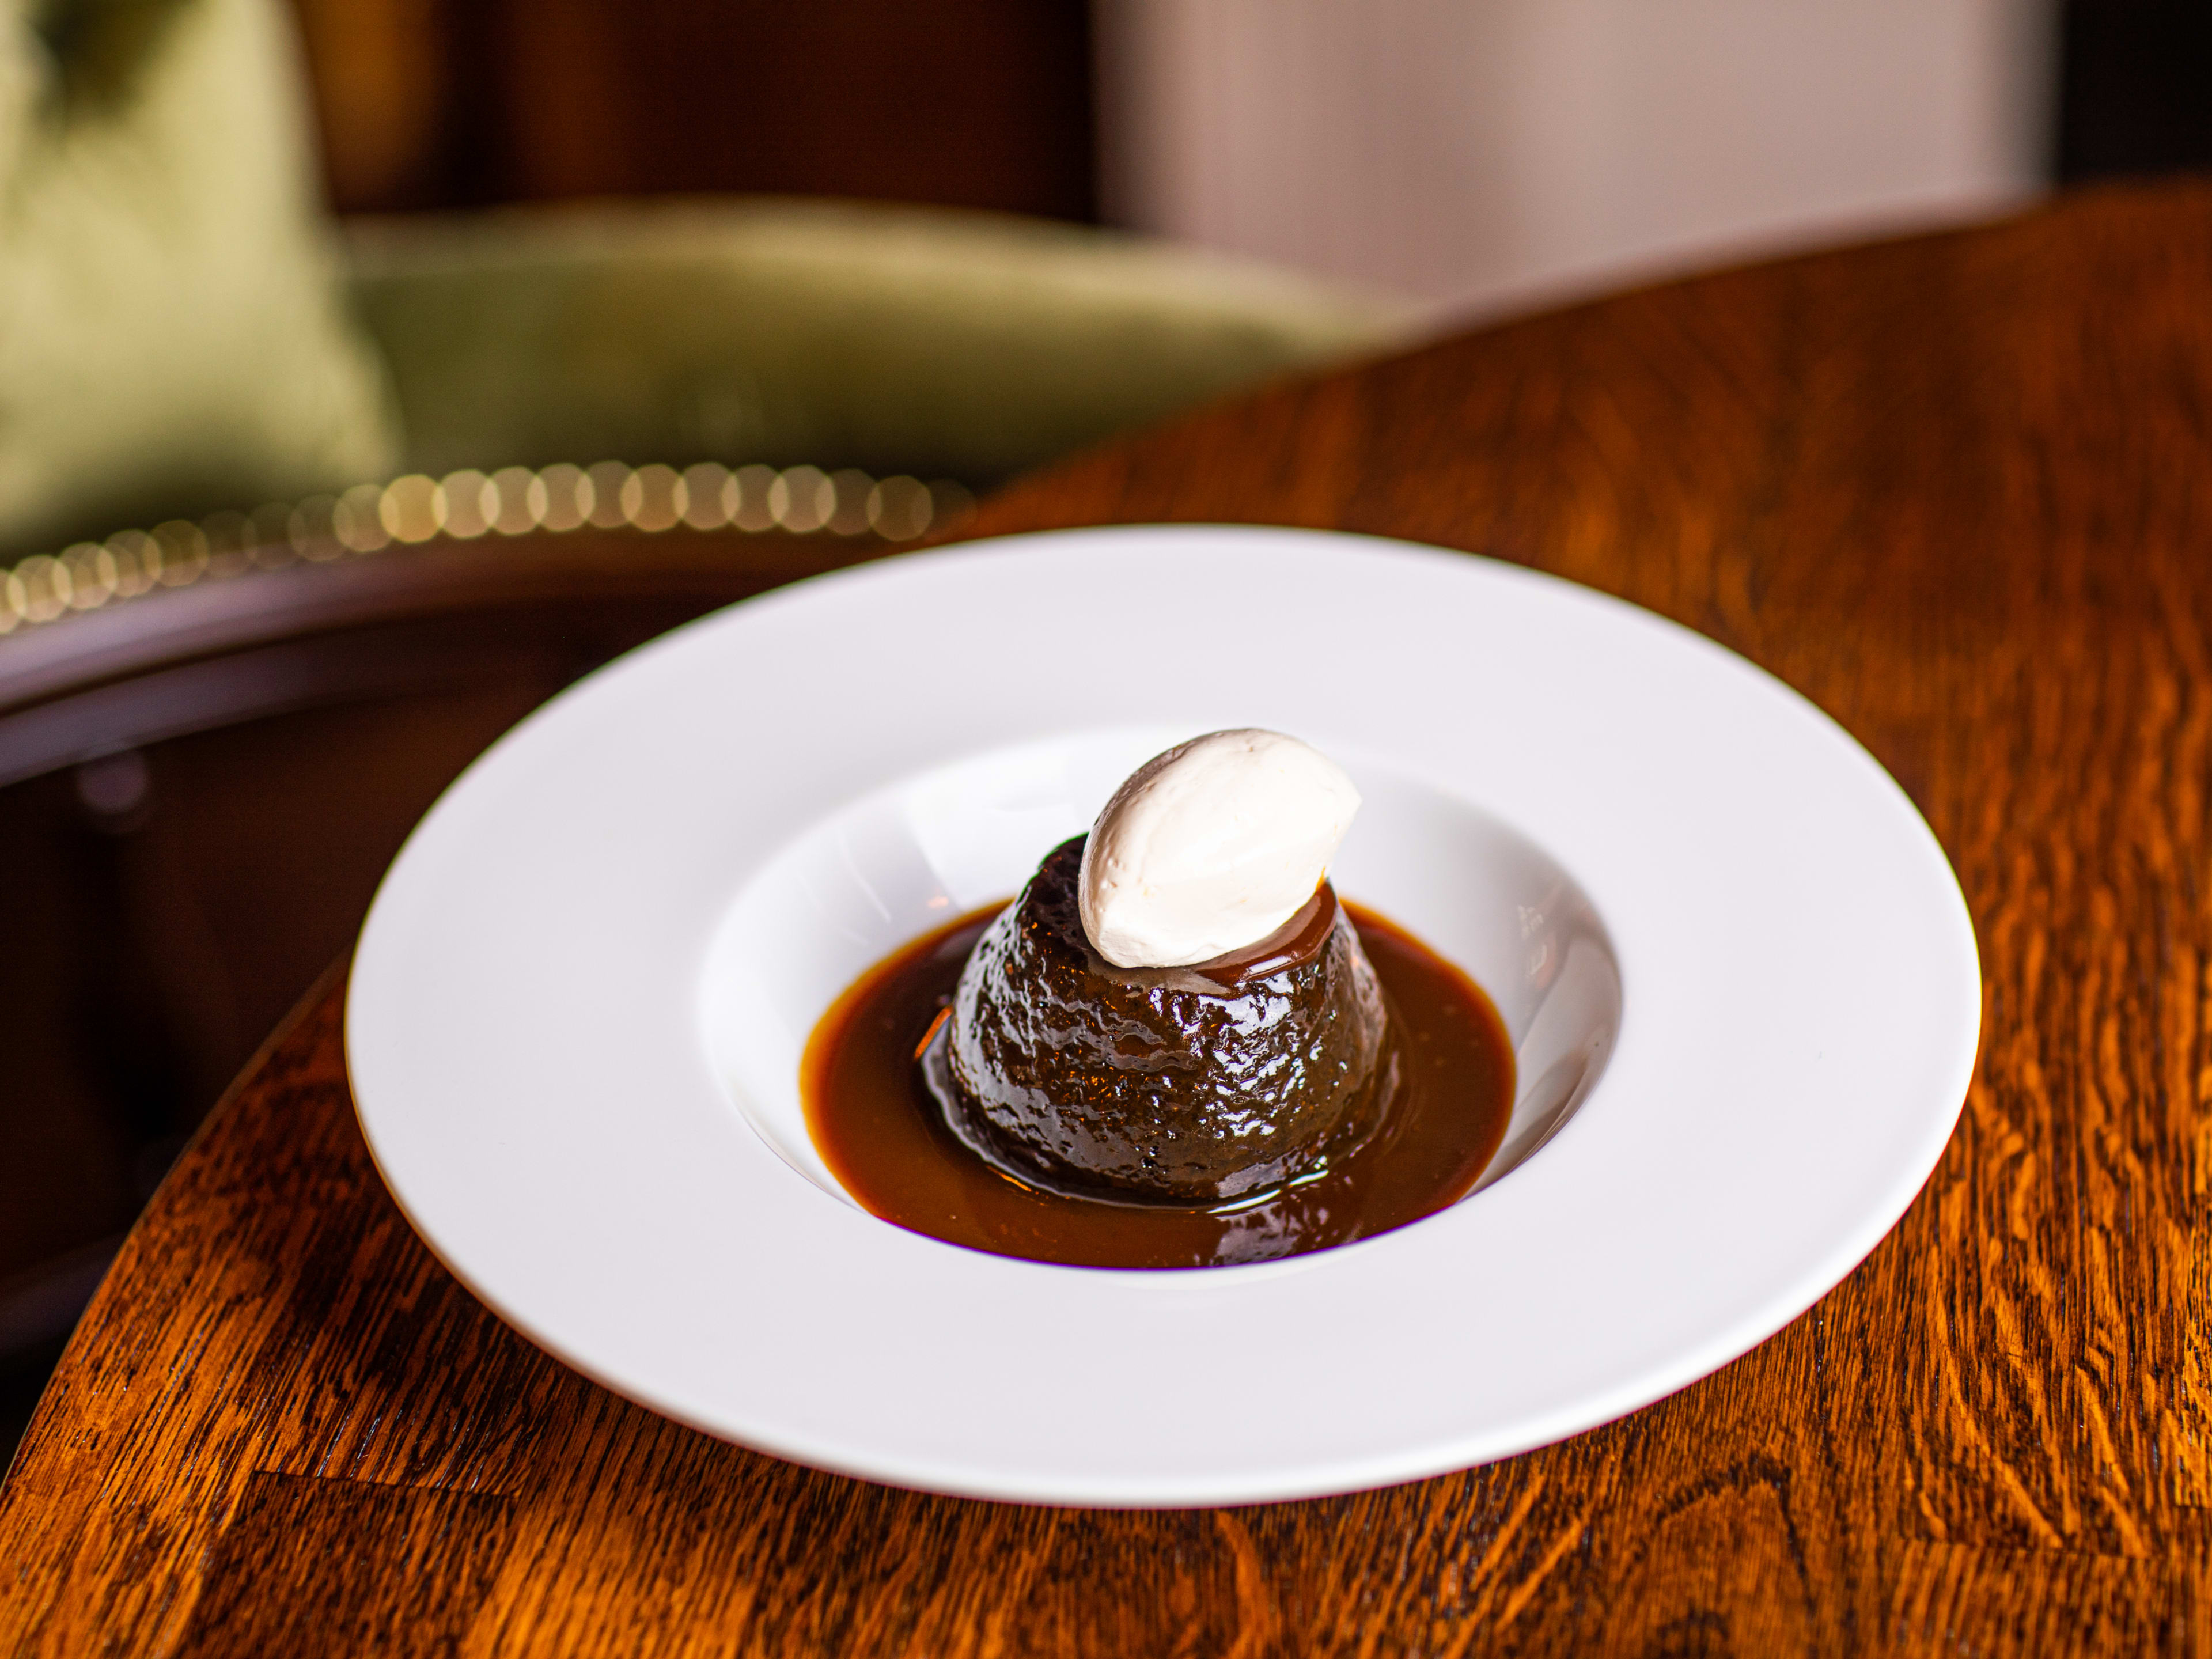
1000,1085
1195,1084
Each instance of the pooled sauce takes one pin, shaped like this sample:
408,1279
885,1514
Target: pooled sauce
884,1137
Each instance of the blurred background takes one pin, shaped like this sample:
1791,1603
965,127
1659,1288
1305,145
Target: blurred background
305,304
1471,155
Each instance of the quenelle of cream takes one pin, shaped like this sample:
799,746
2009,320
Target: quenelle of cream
1211,846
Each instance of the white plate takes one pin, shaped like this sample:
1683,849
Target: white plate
1739,974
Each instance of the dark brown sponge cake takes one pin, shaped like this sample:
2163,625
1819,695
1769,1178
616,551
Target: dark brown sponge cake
1183,1086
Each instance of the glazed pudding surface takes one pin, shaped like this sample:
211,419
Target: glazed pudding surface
1183,1086
1415,1142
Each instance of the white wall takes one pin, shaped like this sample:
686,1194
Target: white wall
1487,153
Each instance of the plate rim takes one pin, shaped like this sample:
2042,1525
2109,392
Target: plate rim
1435,1454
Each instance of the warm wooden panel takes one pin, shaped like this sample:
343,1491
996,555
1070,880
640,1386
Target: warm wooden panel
444,103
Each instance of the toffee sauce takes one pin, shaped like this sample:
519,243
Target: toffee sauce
884,1137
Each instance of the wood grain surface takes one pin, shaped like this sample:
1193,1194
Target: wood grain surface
1956,490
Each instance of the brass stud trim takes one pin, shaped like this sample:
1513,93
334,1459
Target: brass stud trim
465,506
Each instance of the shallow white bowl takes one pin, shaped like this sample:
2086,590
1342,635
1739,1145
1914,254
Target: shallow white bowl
905,859
1740,977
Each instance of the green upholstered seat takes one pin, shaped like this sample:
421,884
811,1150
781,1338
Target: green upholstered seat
173,330
968,345
182,329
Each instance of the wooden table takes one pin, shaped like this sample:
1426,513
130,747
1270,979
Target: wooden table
1958,491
